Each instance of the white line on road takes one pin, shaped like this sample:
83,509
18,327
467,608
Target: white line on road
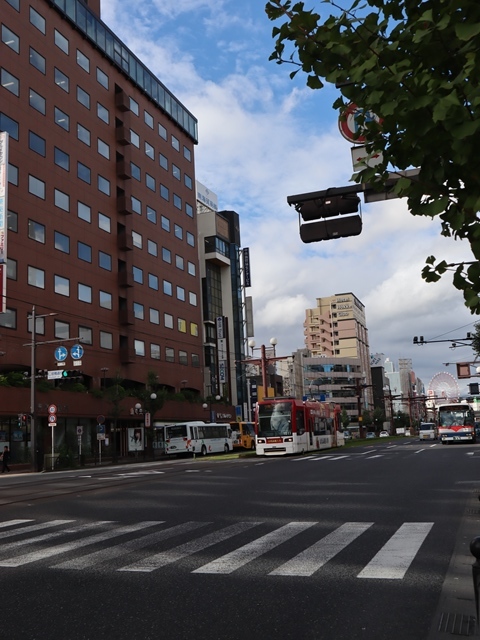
33,527
394,558
11,523
252,550
172,555
310,560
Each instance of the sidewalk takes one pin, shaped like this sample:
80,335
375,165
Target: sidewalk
456,613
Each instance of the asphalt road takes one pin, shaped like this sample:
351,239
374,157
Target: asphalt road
347,544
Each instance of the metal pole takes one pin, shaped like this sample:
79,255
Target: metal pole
33,439
264,371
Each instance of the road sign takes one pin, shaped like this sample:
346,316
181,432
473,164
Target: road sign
76,352
100,428
361,158
349,125
52,408
52,420
61,354
147,419
100,419
54,375
79,430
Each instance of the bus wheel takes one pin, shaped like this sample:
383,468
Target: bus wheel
226,449
204,450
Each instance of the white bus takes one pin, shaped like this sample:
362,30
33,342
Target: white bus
197,438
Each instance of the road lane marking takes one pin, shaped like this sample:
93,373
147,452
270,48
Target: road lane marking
310,560
241,556
194,546
12,523
96,557
33,527
395,557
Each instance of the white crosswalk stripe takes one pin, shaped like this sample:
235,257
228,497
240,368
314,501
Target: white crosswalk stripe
141,550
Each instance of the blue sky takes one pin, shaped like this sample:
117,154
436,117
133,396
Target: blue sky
263,137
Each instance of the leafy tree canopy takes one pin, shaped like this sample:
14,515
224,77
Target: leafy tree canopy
415,64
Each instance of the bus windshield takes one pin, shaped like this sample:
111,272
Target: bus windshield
457,417
176,431
275,419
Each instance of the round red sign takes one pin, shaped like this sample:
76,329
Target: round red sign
349,125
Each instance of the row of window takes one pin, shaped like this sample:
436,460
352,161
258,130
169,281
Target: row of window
105,339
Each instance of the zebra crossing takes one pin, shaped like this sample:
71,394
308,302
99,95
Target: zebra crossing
107,546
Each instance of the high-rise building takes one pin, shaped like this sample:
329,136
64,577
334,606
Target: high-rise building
101,228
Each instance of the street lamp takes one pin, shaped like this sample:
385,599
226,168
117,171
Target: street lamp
262,361
209,407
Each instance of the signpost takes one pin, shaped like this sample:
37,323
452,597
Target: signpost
52,422
100,437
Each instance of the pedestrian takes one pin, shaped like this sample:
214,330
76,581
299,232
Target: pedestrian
5,459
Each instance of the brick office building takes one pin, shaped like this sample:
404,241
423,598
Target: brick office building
101,217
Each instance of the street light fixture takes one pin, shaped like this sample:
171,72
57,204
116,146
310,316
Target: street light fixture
208,406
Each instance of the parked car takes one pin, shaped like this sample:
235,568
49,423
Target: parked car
371,434
347,435
384,434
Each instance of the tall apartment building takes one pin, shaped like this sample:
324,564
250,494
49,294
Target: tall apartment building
102,227
336,334
222,298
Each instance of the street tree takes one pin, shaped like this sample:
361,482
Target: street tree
415,65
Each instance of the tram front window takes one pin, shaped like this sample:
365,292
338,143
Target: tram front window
275,420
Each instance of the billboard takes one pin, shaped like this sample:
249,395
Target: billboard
3,218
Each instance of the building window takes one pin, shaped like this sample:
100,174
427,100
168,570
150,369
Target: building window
62,330
85,334
62,242
84,252
168,320
182,357
84,173
192,298
37,60
104,261
102,78
187,154
164,192
84,293
37,101
153,281
134,106
36,187
62,200
105,300
62,119
11,269
175,143
139,346
148,119
194,329
169,354
137,240
154,316
152,248
178,231
106,340
36,143
167,288
189,210
12,221
180,293
195,360
83,134
103,149
61,285
163,161
61,42
10,39
84,212
9,82
83,61
165,223
188,181
61,159
104,222
9,319
137,275
166,255
135,171
9,125
136,205
151,215
182,325
190,239
138,311
104,185
177,201
83,97
103,113
36,277
162,132
36,231
150,182
191,269
149,151
37,20
176,172
61,80
12,174
134,138
155,351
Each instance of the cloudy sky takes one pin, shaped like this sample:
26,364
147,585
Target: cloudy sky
263,137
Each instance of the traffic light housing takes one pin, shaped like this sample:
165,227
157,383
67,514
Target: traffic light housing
22,420
473,386
71,374
329,229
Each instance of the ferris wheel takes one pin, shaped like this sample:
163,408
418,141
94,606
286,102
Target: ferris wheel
443,386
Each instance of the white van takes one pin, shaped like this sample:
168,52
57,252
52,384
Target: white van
427,431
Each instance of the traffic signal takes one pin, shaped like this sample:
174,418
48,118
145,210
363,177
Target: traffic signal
473,386
22,420
329,229
71,374
328,206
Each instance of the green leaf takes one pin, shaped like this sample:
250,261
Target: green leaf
465,31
